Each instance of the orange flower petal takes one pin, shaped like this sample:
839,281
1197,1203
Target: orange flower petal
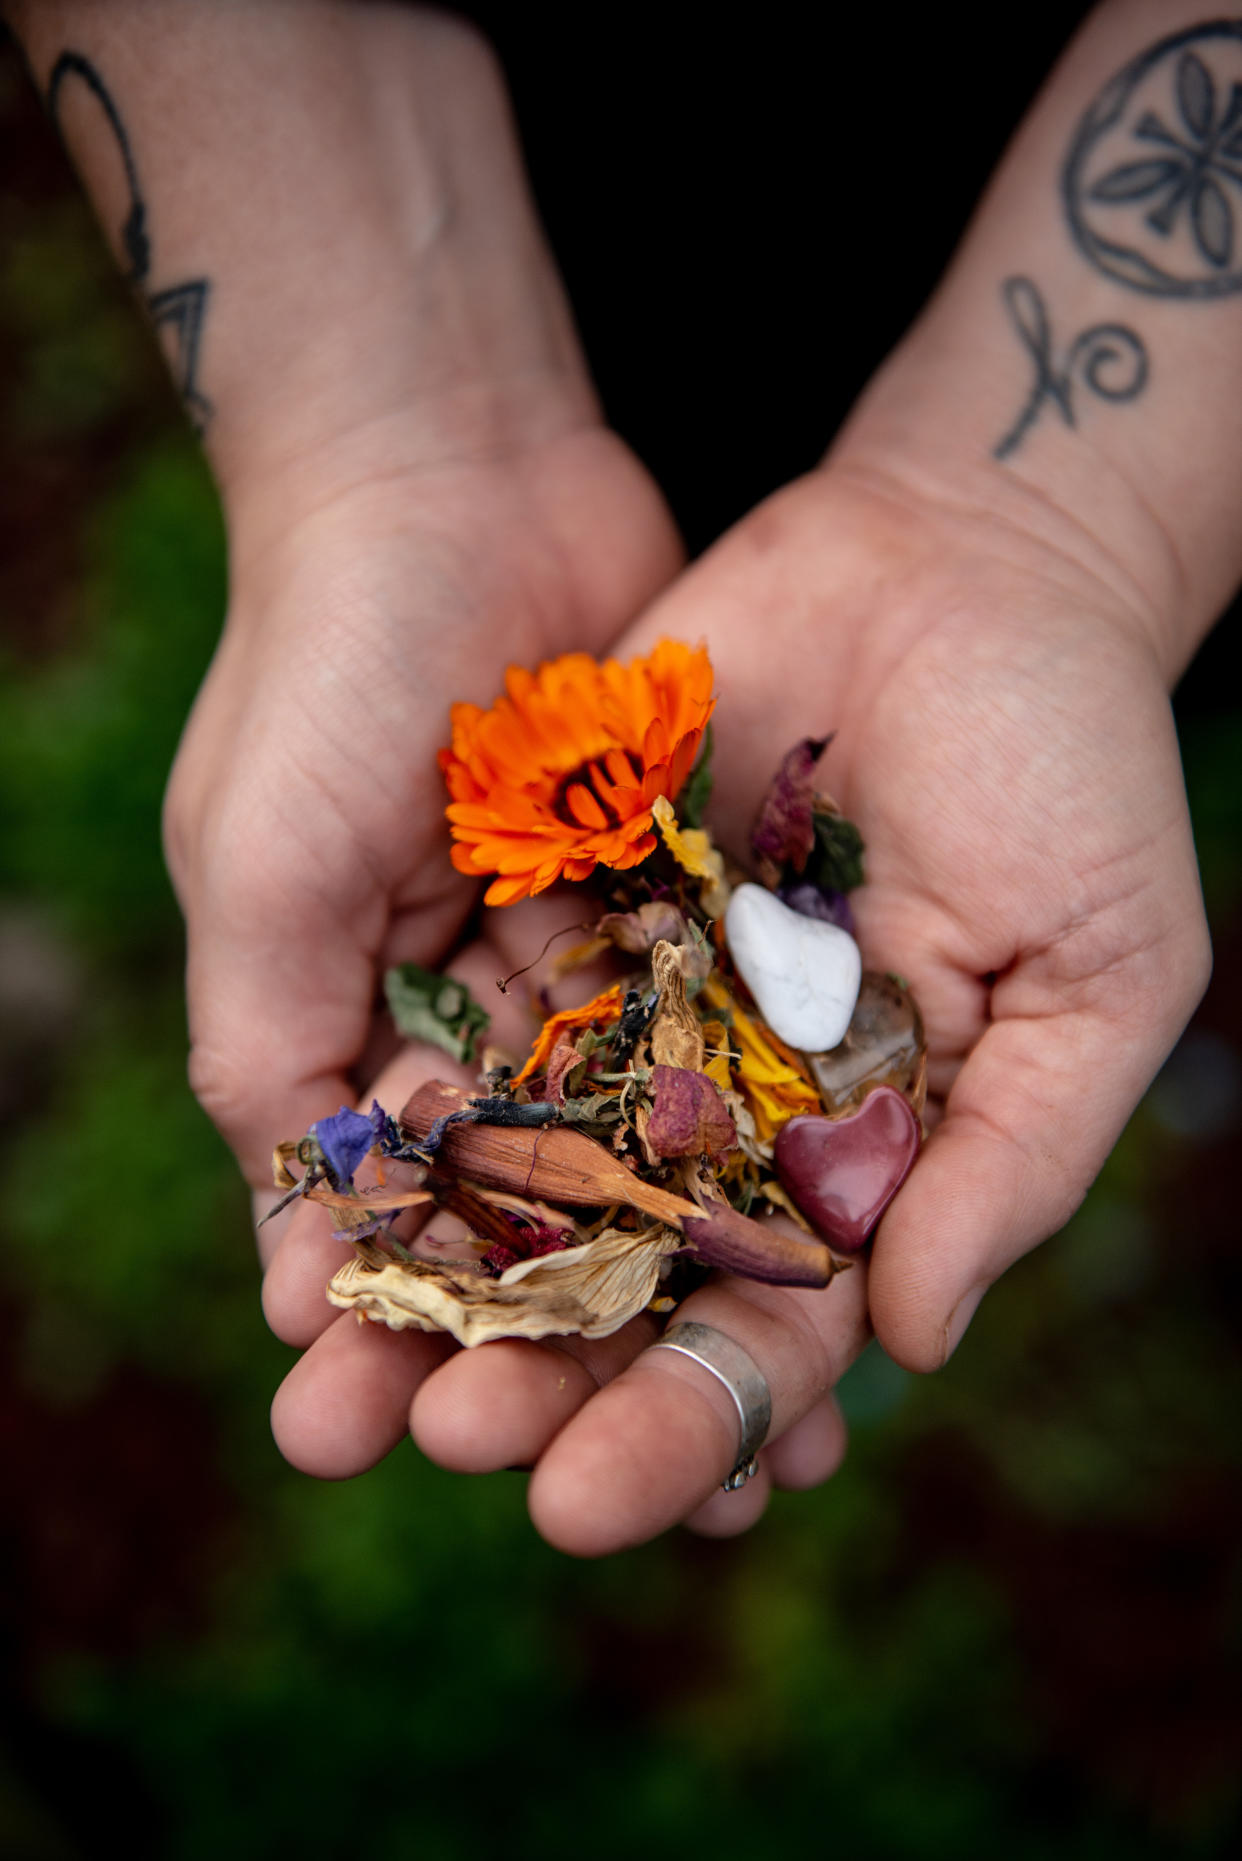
507,891
583,806
599,1012
561,773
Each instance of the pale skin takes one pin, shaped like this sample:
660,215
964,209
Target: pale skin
420,489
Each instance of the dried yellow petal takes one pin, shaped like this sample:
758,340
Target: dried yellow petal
692,848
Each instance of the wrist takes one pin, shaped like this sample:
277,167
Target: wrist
421,322
1071,375
1084,528
336,247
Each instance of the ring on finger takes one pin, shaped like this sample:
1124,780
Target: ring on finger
743,1379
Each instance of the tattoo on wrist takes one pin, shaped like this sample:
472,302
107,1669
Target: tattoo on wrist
1153,180
179,309
1109,359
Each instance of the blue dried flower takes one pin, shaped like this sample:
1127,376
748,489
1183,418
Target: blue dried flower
346,1139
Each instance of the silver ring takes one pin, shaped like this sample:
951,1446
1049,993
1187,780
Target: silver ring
743,1379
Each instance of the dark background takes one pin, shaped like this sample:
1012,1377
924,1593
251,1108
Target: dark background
1011,1625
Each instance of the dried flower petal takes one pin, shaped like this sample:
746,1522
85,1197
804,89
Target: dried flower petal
528,1241
564,1060
692,848
769,1076
592,1290
601,1011
810,901
346,1138
784,832
641,930
688,1116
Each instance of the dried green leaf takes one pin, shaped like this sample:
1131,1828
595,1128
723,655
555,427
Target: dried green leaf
592,1108
835,862
439,1009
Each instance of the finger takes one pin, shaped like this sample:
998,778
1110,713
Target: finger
501,1404
653,1446
811,1451
728,1515
1028,1124
343,1405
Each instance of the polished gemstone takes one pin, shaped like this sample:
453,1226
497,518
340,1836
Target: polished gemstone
803,974
844,1172
883,1046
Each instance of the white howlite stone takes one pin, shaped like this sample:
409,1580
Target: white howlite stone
804,975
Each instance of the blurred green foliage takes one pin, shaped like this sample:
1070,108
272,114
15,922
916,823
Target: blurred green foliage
1008,1627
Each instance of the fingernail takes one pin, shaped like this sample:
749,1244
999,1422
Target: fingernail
958,1319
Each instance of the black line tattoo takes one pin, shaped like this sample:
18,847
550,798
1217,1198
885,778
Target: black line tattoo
1152,180
1108,359
179,308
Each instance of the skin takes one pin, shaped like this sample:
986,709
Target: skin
993,644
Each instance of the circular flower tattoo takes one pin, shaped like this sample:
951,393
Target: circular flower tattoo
1153,181
562,773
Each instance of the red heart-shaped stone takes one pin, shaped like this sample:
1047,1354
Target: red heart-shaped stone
844,1172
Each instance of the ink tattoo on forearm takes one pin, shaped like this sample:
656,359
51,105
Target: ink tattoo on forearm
180,309
1151,187
1153,177
1109,359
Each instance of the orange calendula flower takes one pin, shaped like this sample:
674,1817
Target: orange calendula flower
561,774
600,1012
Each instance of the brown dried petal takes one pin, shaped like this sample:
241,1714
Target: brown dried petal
590,1290
642,929
564,1058
688,1116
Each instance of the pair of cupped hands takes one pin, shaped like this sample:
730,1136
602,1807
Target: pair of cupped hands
1002,737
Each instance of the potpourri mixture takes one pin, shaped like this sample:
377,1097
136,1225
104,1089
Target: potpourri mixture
742,1062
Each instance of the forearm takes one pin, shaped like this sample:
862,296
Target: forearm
323,208
1076,373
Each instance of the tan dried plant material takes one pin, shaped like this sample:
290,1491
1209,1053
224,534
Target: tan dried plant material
282,1175
639,931
592,1290
776,1193
676,1034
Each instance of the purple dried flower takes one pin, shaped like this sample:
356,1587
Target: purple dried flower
784,834
811,901
346,1139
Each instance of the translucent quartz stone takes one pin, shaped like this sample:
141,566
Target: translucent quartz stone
844,1172
883,1045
